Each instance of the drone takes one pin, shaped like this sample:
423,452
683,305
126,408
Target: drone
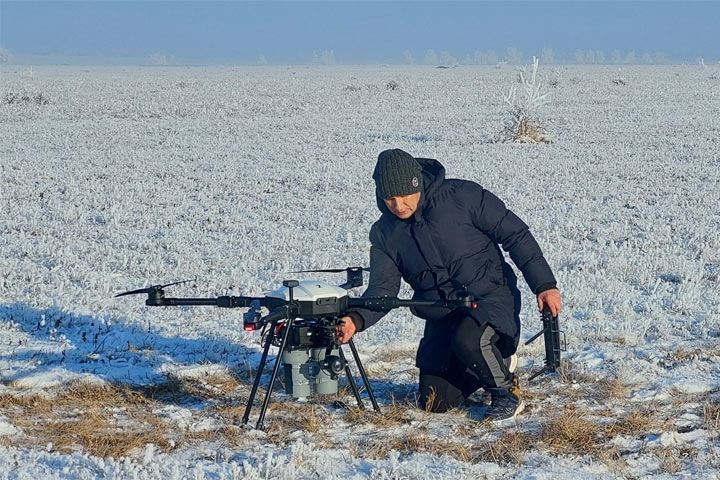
304,321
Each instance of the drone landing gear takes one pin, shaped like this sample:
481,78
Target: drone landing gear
263,360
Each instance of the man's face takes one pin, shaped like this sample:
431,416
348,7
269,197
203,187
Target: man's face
404,206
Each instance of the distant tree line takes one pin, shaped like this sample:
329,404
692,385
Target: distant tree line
513,56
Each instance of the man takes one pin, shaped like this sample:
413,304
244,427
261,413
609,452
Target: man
442,237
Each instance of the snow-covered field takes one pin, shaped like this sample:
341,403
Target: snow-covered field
128,177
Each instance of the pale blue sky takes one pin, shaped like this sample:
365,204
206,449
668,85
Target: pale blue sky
356,32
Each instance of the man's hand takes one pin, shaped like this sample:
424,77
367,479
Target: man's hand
552,299
347,330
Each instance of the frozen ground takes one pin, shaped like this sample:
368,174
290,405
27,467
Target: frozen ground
128,177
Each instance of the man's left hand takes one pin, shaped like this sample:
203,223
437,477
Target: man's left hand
347,330
552,299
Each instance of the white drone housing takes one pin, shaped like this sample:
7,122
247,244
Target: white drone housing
310,291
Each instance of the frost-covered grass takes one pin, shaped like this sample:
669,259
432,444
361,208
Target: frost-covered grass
134,176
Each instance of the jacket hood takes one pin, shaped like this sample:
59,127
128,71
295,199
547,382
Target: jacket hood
433,174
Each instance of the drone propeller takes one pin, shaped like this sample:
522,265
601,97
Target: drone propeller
154,288
334,270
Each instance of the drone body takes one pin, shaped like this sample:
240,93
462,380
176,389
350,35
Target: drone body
304,320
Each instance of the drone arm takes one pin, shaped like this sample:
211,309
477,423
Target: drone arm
177,302
224,302
384,304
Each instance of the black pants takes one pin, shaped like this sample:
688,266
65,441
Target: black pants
476,362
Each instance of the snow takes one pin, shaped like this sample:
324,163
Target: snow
235,176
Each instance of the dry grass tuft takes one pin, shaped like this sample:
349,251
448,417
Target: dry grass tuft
636,424
430,401
571,373
612,458
395,355
98,395
508,449
669,460
412,443
529,131
392,415
177,389
96,432
290,416
102,419
711,413
570,434
613,388
682,355
32,404
378,370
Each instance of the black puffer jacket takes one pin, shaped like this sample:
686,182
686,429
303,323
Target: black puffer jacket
449,245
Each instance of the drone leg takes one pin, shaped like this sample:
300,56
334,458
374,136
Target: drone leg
351,380
258,375
541,372
363,375
288,327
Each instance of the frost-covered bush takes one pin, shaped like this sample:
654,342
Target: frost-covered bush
522,125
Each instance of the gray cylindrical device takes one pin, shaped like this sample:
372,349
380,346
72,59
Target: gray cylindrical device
326,380
297,374
311,371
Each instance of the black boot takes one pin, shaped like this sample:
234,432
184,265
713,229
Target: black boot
505,403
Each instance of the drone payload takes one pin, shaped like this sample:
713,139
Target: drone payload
310,366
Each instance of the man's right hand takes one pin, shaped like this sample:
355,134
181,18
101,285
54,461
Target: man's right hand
347,330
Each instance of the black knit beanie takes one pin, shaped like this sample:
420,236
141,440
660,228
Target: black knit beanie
397,174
